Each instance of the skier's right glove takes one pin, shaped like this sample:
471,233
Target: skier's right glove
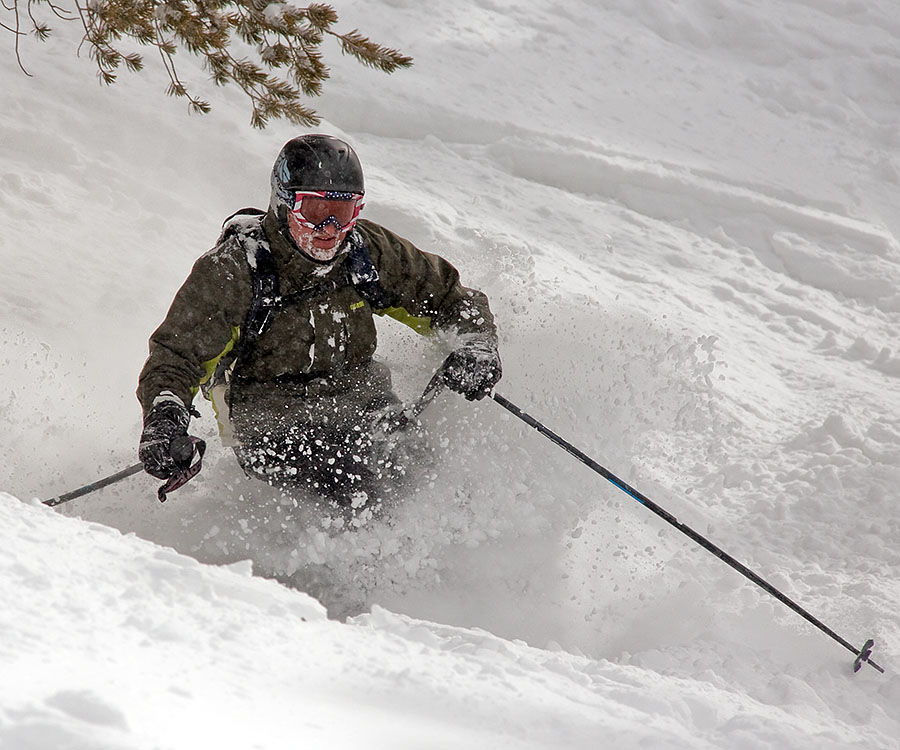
165,447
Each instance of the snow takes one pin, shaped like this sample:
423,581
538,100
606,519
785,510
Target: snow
686,218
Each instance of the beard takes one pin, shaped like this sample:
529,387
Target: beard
318,254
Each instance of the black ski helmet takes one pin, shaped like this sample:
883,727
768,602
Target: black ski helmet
314,162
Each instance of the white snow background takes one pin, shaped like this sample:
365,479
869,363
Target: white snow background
686,218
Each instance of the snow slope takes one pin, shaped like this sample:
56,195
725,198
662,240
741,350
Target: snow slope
686,217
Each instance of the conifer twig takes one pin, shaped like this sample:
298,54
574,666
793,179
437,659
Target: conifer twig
285,65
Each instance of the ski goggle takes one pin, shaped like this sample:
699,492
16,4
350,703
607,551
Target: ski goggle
316,210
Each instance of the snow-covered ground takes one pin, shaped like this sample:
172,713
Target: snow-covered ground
686,218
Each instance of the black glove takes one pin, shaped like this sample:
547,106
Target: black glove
473,370
165,447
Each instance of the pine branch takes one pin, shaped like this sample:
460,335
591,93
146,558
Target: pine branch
17,32
321,16
57,11
371,54
287,39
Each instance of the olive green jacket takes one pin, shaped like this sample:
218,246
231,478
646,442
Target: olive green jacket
326,335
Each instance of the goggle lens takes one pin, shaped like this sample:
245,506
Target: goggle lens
318,209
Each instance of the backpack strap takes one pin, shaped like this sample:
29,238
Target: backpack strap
266,294
363,274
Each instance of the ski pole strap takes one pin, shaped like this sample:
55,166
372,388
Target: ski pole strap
862,655
185,475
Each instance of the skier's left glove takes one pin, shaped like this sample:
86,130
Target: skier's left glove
165,447
473,370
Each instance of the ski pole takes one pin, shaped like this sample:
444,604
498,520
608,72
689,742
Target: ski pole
862,655
394,421
434,387
93,486
185,450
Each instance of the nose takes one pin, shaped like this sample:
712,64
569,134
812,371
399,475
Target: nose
330,226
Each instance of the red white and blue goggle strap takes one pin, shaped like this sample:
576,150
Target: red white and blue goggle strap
355,199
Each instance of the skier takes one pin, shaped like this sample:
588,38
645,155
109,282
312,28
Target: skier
275,324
